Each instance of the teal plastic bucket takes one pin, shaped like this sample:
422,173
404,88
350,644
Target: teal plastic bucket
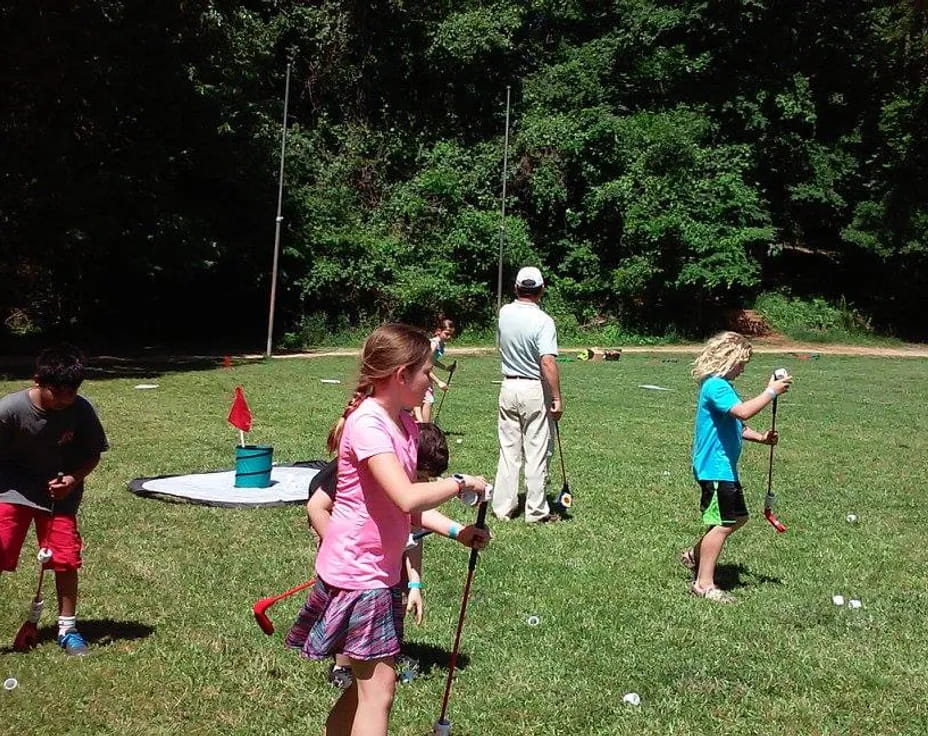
253,466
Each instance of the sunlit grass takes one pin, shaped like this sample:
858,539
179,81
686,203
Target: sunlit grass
167,589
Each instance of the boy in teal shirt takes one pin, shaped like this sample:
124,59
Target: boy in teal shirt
719,432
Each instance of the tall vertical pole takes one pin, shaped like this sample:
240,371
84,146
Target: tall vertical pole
502,221
280,219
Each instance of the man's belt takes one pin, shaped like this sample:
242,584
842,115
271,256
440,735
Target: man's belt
521,378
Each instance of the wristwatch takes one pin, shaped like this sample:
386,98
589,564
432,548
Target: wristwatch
467,496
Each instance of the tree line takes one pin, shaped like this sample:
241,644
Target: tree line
667,160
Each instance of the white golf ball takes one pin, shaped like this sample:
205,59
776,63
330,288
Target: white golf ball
854,603
459,440
10,683
851,518
533,620
838,600
631,698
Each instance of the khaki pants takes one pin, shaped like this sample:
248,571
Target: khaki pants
524,435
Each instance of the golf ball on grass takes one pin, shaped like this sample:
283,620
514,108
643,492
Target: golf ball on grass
631,698
854,603
10,683
838,600
851,518
533,620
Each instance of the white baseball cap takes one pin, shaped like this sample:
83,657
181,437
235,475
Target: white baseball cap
529,277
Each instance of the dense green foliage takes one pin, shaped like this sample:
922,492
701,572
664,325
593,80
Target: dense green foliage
667,160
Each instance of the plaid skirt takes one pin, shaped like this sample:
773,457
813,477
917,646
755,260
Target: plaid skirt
361,624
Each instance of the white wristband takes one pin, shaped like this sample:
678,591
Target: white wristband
770,392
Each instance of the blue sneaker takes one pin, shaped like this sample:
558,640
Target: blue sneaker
73,644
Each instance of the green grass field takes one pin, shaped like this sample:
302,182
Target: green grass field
167,589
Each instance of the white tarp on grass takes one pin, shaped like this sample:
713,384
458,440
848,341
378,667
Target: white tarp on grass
289,485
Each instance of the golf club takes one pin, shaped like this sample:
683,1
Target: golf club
260,608
565,498
770,498
28,635
442,726
451,369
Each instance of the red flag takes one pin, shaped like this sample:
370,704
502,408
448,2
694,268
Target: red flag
240,414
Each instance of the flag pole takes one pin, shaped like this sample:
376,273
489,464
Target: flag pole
502,219
279,219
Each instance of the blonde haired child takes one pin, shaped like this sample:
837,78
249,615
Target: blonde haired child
719,432
355,607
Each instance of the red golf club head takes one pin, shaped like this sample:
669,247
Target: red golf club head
26,638
777,524
260,611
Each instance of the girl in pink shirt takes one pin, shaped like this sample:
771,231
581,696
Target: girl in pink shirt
355,607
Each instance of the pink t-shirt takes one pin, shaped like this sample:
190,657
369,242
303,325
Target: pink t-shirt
364,543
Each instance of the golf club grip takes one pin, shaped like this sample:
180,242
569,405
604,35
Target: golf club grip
421,533
481,523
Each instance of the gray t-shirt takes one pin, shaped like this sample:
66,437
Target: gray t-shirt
525,333
36,445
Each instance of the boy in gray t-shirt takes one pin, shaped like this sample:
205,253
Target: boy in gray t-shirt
50,441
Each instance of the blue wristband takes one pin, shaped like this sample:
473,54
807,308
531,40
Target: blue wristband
413,585
453,531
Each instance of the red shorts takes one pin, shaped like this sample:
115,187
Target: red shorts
58,533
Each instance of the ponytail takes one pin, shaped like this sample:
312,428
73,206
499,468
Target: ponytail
363,390
387,348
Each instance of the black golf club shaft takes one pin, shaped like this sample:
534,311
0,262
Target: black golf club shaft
452,368
560,449
471,567
773,428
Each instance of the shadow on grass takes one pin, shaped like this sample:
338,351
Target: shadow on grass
729,577
429,657
97,632
104,367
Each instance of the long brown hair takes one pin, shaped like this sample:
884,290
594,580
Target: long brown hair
387,348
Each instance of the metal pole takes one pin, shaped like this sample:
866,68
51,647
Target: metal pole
280,219
502,221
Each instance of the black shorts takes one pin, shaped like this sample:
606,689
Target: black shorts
722,502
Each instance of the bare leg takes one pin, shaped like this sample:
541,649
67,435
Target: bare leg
426,413
341,717
707,551
66,587
375,682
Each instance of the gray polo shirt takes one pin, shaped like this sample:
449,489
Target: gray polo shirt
525,334
35,445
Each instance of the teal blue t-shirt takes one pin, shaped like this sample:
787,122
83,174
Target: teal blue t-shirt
717,439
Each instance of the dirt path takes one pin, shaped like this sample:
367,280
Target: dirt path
761,345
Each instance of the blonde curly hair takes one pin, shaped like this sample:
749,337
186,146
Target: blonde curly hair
721,353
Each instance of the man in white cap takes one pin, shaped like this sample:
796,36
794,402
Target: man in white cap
529,400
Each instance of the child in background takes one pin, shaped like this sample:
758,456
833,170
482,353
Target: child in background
50,441
444,330
355,607
719,432
431,462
